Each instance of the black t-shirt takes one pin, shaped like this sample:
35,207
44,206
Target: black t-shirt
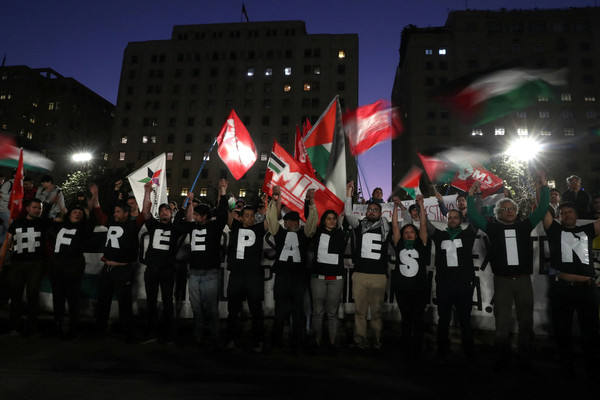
371,251
205,240
290,250
454,258
29,237
162,246
410,272
245,247
511,251
330,247
122,242
571,248
71,239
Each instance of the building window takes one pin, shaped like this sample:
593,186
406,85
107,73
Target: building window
187,156
242,192
170,138
285,137
341,85
499,131
144,139
565,96
185,173
590,114
428,52
307,87
169,156
316,70
206,156
589,97
545,133
184,191
264,156
522,114
189,138
287,71
121,156
544,114
341,69
522,132
267,103
442,52
124,139
250,72
538,48
287,87
204,173
342,54
268,71
266,121
203,192
477,132
567,114
542,98
569,132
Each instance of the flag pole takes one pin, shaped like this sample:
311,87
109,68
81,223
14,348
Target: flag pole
200,170
360,171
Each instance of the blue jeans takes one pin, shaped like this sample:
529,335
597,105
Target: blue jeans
203,286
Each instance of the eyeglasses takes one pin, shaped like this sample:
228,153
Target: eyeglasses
508,209
372,209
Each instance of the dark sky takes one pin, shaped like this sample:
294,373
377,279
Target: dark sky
85,39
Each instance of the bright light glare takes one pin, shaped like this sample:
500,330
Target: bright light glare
82,157
524,149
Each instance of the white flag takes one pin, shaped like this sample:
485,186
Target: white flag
155,171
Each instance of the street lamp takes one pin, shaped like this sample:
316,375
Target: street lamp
523,149
82,157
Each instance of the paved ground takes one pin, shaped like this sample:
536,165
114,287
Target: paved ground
43,367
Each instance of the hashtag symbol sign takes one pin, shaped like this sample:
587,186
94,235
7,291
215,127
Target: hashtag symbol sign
26,241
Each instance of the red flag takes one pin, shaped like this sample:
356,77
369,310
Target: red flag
306,127
236,147
300,152
472,172
294,180
16,195
371,124
438,170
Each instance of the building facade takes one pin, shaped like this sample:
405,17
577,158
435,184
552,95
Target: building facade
475,41
175,95
56,115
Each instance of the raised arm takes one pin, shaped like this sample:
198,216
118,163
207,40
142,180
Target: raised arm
350,217
311,221
423,234
274,211
222,214
543,195
475,216
189,212
147,203
395,228
440,200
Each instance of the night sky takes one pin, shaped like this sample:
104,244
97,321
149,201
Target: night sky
85,39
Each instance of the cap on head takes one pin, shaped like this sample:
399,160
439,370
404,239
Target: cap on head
293,215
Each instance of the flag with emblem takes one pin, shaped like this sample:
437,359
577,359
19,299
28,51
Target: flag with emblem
153,171
236,147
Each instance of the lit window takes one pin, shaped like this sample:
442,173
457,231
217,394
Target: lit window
565,96
264,156
169,156
287,71
250,72
477,132
287,87
184,191
50,106
32,120
168,190
34,104
268,71
307,87
317,70
203,192
242,193
542,98
121,156
522,132
544,133
187,156
123,139
544,114
29,135
499,131
144,139
152,139
341,54
206,156
442,52
589,97
105,156
428,52
569,132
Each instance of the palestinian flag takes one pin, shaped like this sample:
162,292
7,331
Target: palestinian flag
326,149
10,152
410,182
491,96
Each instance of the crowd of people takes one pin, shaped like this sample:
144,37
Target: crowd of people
51,238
